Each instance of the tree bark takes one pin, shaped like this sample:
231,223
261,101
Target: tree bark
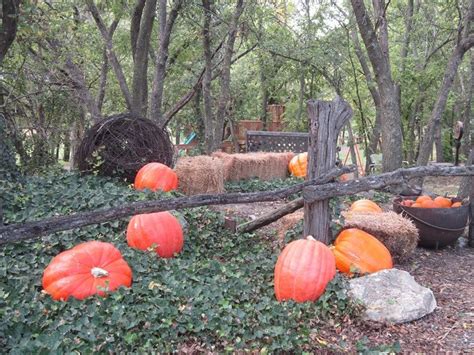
140,59
326,119
378,55
465,42
10,14
166,27
135,24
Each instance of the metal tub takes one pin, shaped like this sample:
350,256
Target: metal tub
438,227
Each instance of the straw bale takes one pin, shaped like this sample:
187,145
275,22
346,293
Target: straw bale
396,232
265,166
199,175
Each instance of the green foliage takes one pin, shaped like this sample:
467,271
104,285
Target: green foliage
254,185
217,293
8,168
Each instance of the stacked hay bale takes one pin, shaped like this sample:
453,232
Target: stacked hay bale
200,175
396,232
265,166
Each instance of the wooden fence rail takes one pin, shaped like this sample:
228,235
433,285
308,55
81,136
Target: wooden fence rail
325,190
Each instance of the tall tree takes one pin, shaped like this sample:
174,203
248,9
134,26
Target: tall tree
464,42
377,50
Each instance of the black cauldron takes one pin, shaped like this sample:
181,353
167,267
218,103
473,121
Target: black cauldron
438,227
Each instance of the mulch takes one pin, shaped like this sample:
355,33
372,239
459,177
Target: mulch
449,273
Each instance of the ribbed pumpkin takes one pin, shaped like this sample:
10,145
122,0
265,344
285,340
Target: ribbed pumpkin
303,270
87,269
355,249
299,164
160,230
365,206
156,176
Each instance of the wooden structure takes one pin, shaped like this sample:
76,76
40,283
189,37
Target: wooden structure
326,121
263,141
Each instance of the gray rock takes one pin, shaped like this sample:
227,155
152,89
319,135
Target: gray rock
392,296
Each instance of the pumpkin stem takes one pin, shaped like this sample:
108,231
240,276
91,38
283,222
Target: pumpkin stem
97,272
310,237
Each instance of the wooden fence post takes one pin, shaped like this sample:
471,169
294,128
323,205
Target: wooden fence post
327,118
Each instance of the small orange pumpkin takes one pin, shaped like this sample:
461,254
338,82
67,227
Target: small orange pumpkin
160,230
365,206
303,270
156,176
355,249
298,165
422,198
429,204
456,204
87,269
443,202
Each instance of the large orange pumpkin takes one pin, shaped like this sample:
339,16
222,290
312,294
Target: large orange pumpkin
299,165
303,270
87,269
355,249
365,206
160,230
156,176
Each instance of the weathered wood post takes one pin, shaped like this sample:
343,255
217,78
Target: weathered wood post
326,121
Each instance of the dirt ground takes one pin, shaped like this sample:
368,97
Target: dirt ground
448,272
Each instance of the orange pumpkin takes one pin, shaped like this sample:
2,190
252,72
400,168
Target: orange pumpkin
298,165
422,198
87,269
443,202
429,204
160,230
416,205
456,204
355,249
156,176
365,206
303,270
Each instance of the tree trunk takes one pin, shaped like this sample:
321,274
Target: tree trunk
468,138
140,59
438,139
166,27
206,82
113,60
76,134
264,93
465,42
10,14
299,114
351,144
224,96
378,55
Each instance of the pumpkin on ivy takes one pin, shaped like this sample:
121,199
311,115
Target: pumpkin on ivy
303,270
161,231
156,176
87,269
299,164
356,250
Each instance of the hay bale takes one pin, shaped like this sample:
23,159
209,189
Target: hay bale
200,175
396,232
265,166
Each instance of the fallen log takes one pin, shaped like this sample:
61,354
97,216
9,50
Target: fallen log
271,217
29,230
